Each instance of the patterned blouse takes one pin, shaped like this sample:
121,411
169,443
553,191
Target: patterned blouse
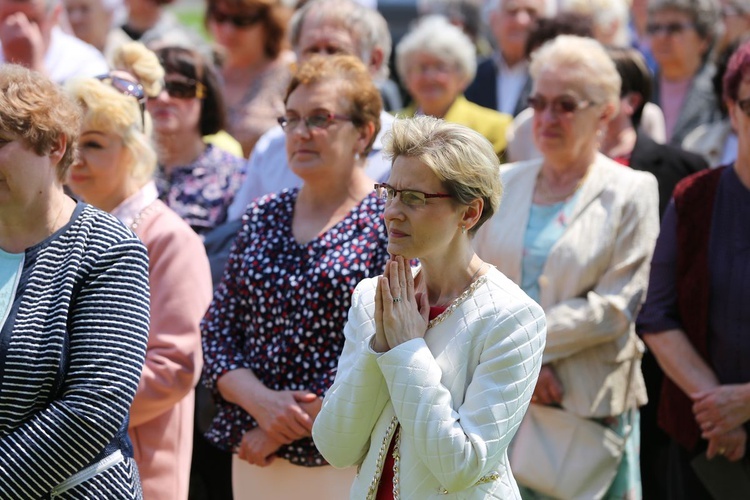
201,192
281,307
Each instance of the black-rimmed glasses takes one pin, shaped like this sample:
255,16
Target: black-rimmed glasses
561,105
408,197
313,122
127,87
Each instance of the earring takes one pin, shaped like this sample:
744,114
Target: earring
463,229
357,156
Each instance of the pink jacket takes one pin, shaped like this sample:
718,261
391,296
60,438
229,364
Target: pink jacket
161,417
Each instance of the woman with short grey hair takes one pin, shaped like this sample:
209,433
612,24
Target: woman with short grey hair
437,61
681,34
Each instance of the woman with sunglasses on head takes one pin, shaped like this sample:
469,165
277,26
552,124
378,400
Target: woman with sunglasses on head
576,231
114,173
255,63
695,319
195,179
440,361
273,334
74,308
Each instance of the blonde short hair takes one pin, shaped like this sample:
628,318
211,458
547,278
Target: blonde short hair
108,110
588,59
464,160
35,109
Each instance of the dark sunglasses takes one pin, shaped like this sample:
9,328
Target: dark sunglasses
238,21
561,105
127,87
184,88
668,28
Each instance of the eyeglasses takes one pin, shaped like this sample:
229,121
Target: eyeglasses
313,122
238,21
127,87
438,68
744,105
184,88
408,197
561,105
668,28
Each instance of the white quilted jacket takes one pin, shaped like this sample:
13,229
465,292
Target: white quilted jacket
459,395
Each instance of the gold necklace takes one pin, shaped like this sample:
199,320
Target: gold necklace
471,281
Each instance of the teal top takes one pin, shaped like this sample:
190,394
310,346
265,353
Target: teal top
11,265
546,225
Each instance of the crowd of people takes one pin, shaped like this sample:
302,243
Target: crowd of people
290,258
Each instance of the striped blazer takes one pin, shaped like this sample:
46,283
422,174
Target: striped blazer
73,350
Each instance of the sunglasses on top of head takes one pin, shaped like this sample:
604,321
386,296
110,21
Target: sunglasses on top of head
129,88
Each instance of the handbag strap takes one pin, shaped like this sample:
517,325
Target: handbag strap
625,401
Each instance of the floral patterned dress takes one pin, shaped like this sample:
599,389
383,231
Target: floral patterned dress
281,307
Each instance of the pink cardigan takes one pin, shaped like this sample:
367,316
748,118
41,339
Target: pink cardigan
161,418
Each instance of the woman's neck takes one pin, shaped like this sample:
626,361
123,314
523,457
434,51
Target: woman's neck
321,205
179,149
620,138
437,110
742,165
679,72
245,65
143,19
446,277
24,227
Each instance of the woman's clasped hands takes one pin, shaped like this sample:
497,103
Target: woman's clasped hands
283,417
402,309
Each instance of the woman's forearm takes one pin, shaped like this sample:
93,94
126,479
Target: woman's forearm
242,388
680,361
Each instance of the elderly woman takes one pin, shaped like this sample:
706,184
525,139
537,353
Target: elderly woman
114,174
273,333
695,317
576,232
434,377
255,68
681,33
74,307
195,179
436,61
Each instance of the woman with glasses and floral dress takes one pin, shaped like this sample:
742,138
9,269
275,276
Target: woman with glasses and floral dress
576,232
273,333
195,179
114,173
255,63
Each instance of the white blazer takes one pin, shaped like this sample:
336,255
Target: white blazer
459,395
593,282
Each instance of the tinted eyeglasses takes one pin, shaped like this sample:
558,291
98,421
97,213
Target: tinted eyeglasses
127,87
317,121
408,197
238,21
561,105
184,88
668,28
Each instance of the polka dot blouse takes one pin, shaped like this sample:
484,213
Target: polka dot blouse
281,307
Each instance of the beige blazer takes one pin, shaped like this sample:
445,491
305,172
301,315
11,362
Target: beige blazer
594,280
